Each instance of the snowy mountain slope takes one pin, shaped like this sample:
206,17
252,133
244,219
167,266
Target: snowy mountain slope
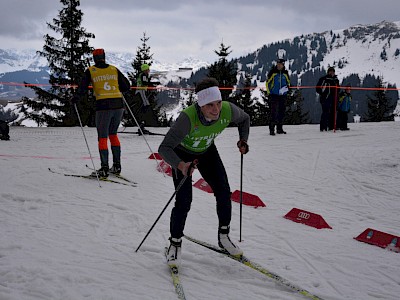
356,49
19,66
358,53
65,238
360,49
12,60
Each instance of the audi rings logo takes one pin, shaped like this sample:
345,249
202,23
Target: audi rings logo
303,215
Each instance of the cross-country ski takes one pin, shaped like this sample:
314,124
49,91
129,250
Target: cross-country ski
132,184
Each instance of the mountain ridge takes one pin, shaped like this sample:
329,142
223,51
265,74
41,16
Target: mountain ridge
359,53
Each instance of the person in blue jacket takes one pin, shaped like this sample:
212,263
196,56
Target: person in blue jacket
277,87
343,109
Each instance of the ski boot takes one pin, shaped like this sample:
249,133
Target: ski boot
116,169
102,172
174,252
225,242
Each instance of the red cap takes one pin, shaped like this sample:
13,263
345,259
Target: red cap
98,52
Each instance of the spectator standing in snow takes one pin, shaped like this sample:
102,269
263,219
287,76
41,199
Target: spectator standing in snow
343,110
109,84
4,131
277,87
191,138
143,82
327,88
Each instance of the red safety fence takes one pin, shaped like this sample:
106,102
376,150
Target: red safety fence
221,88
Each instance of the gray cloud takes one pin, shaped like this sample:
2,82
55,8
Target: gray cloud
182,28
22,18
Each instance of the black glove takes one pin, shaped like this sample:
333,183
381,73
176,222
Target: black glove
243,146
74,100
128,95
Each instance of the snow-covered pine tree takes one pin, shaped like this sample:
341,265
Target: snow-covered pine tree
262,111
225,72
380,106
243,97
294,110
151,117
143,56
66,54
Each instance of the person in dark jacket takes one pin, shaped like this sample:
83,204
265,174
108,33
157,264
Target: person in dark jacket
4,131
277,87
109,85
327,88
191,139
343,109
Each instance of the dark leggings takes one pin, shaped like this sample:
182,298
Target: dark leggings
278,107
325,122
107,122
213,171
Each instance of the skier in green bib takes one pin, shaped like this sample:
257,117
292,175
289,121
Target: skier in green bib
190,139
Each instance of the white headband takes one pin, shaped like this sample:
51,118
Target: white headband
208,95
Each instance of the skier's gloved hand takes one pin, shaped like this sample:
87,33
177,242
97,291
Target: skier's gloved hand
187,168
127,95
243,146
74,100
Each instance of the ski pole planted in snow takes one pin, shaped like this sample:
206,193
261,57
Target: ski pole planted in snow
87,145
192,165
241,194
142,133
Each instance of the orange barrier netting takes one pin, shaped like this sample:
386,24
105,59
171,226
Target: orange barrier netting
221,88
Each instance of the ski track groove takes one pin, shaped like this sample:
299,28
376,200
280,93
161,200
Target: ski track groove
315,269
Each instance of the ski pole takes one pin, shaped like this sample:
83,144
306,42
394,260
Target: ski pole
334,113
241,194
140,129
192,165
87,145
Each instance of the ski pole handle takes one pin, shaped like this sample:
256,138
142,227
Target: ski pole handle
193,165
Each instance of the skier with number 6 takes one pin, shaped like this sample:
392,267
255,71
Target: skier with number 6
109,86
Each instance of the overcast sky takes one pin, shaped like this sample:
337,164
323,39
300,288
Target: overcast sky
179,29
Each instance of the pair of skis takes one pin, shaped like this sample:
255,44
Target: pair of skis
145,133
244,260
123,180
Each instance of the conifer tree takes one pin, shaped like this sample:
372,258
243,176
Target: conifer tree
66,54
152,117
143,56
225,72
243,97
294,110
262,111
380,106
189,101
